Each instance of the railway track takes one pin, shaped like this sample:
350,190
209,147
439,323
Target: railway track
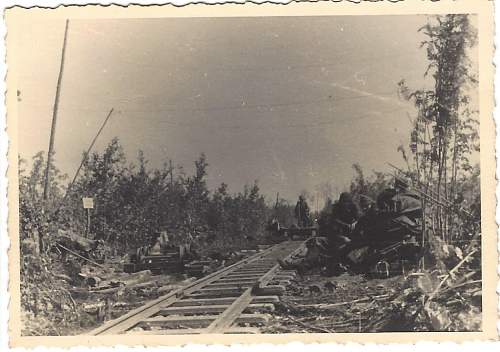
236,299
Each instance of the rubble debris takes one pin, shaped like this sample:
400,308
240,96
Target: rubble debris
314,289
74,243
78,255
330,286
324,306
423,300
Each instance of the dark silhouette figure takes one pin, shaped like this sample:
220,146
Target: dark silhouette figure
302,213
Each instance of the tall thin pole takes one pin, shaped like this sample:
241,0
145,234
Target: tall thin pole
54,116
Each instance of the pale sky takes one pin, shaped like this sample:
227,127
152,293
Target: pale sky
290,101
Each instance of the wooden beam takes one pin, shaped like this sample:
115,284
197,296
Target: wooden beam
201,320
221,290
241,276
238,280
249,272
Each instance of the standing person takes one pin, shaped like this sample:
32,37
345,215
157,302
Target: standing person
302,212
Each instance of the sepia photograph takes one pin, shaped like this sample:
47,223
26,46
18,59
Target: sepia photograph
242,175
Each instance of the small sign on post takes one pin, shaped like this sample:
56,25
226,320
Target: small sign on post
88,203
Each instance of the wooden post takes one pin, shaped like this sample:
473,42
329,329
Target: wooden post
88,222
88,203
54,116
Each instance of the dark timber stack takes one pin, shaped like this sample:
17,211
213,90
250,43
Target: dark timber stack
169,262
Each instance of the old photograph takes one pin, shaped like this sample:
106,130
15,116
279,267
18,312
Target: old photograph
272,175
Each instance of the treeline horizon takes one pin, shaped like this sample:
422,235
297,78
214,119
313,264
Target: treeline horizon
63,179
133,202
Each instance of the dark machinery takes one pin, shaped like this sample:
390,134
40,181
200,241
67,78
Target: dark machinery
277,233
171,260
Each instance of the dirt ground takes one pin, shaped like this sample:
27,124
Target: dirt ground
345,303
311,303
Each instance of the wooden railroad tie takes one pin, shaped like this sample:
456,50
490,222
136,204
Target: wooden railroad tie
231,330
213,309
223,300
201,321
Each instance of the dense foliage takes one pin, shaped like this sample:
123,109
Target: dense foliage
133,203
445,131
